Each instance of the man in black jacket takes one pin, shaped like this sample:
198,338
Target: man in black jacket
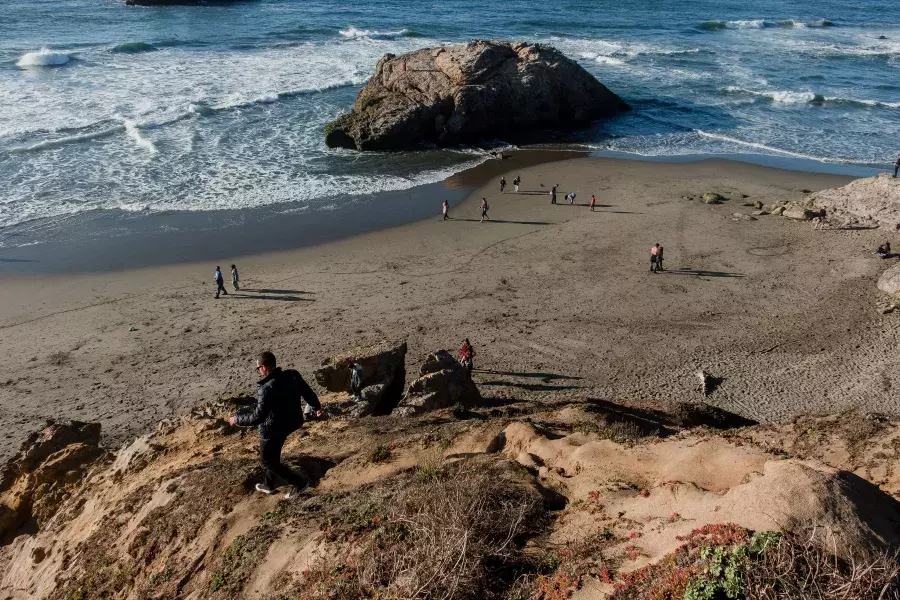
278,414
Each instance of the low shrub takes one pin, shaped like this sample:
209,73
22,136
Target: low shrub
457,533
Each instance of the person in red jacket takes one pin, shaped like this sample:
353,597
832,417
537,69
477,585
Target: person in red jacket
467,356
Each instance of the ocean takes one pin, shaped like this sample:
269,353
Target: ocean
119,111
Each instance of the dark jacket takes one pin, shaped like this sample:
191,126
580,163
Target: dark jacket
279,411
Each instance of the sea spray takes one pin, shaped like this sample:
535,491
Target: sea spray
45,57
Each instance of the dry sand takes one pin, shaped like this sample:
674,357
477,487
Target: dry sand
556,300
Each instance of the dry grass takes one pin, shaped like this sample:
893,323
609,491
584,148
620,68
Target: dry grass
730,562
797,568
452,533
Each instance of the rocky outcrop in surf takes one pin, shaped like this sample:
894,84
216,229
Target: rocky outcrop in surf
456,94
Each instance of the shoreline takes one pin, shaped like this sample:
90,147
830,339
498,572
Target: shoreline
97,243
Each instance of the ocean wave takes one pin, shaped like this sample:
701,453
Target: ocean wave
807,97
133,48
783,97
772,149
68,139
353,33
45,57
762,24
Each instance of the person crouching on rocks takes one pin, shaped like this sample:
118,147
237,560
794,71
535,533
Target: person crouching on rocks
884,250
278,413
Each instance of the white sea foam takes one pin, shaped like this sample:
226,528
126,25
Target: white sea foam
763,147
352,32
134,133
783,97
609,60
45,57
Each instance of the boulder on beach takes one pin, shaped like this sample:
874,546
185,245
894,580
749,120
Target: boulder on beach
454,94
889,282
868,202
713,198
443,383
383,376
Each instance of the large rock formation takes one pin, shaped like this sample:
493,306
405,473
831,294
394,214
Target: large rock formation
869,202
383,376
455,94
443,383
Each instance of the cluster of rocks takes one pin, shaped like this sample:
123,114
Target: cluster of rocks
802,211
442,383
457,94
872,202
47,468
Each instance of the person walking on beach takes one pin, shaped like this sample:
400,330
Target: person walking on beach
571,197
896,166
502,184
467,356
484,210
654,253
516,183
278,413
593,202
235,279
446,210
553,194
220,282
659,259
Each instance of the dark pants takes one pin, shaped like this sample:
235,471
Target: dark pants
220,288
270,459
896,168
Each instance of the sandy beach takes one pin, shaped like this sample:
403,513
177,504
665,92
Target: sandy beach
554,298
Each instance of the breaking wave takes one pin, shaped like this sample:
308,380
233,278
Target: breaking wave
45,57
353,33
806,97
762,24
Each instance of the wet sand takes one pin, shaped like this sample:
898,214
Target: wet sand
557,300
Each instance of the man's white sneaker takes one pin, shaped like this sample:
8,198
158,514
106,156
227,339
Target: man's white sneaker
263,489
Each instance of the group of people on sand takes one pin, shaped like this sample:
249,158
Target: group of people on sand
445,206
220,281
279,412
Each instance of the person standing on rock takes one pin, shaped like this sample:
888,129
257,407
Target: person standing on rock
502,184
235,279
516,183
593,202
356,373
553,194
654,253
220,282
484,210
278,413
467,356
896,166
446,208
